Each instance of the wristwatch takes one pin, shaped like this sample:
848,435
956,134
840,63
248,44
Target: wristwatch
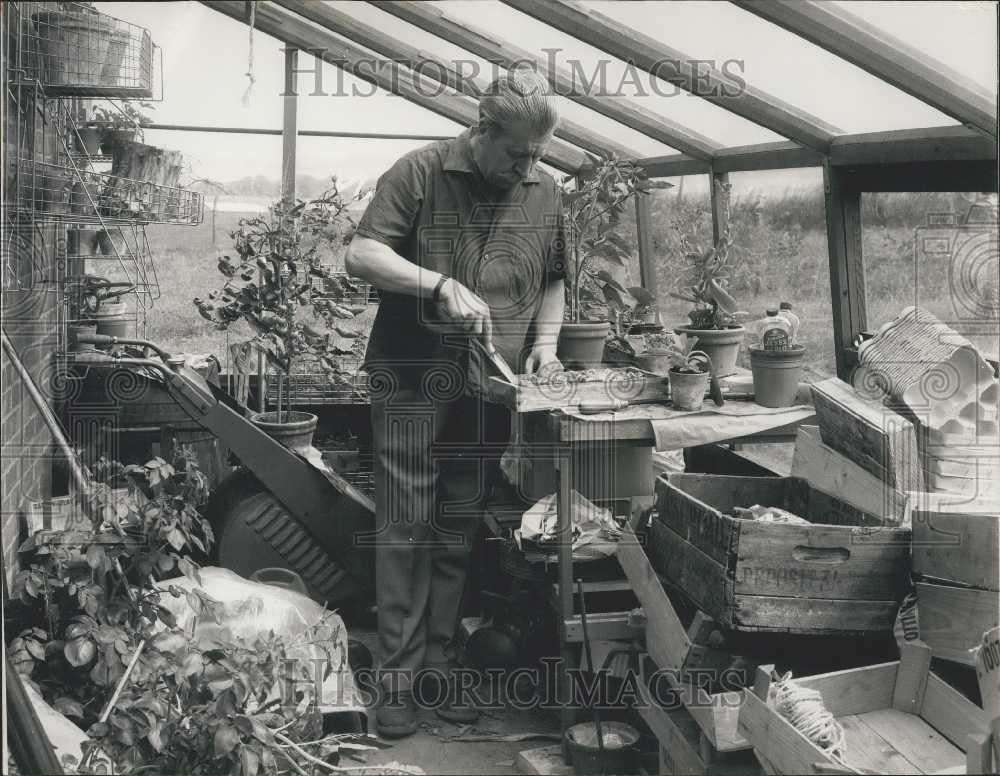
436,297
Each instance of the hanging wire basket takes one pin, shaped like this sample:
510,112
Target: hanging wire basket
73,50
61,193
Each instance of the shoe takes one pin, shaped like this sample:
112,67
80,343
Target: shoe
465,714
396,715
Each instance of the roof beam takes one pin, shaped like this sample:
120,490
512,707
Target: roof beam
429,18
840,32
676,67
436,69
337,51
933,144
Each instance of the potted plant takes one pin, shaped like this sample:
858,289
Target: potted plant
592,211
690,374
703,281
270,285
119,124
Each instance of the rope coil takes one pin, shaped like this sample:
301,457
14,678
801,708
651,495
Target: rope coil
805,711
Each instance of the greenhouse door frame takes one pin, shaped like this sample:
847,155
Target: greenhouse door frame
843,186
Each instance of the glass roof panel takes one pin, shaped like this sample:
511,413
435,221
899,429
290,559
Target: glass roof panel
610,76
784,65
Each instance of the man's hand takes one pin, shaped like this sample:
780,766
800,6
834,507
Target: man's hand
463,307
542,361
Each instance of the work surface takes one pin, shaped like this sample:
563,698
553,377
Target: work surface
669,429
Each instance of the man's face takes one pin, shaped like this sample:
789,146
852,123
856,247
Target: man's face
506,157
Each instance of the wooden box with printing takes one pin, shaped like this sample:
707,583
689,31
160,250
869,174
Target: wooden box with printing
839,571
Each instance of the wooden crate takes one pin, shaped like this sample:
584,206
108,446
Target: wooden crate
846,573
898,717
675,648
881,441
684,748
621,385
837,475
956,563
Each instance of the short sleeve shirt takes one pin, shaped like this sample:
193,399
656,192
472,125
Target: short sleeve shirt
434,208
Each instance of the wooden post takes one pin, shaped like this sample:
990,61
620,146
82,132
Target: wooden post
720,214
644,235
289,124
847,287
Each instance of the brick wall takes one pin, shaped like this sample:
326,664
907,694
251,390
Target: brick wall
32,315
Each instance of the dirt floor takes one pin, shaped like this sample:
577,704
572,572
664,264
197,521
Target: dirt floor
440,747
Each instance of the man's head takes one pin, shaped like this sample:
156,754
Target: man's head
516,120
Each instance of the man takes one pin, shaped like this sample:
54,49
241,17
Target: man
464,240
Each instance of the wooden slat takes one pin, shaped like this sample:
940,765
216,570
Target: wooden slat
413,58
666,638
855,690
959,548
812,615
951,713
338,51
819,561
925,145
644,238
831,472
911,679
840,199
776,741
702,579
430,19
927,749
720,215
675,730
953,619
840,32
912,145
975,175
880,440
289,125
678,68
867,749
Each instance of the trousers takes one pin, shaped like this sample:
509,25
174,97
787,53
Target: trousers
436,458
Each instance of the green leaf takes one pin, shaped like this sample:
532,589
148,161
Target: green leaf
192,664
243,723
167,617
35,649
249,761
226,739
263,733
69,707
609,280
176,539
79,652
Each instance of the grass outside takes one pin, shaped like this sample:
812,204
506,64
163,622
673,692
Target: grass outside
785,262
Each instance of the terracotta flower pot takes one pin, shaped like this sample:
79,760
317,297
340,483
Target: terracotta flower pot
776,375
582,344
687,390
294,430
722,346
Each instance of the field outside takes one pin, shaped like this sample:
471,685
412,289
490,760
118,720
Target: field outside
781,240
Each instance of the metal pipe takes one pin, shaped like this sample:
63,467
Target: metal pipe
76,471
301,132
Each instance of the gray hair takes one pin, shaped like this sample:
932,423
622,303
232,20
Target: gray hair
519,97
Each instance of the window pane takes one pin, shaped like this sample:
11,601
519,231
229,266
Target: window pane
780,254
938,252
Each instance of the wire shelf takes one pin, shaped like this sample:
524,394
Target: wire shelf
344,289
72,50
318,388
56,192
361,473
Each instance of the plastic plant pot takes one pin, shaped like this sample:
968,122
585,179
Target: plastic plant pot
776,375
619,756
